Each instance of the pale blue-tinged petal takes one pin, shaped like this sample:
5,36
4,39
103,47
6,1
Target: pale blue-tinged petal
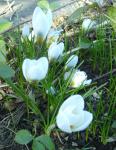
39,69
55,51
31,36
25,30
74,101
35,69
88,24
72,61
25,66
87,82
88,117
63,123
53,35
49,18
75,118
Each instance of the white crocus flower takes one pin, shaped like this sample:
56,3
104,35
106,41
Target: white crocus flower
72,61
88,24
53,35
77,78
41,22
35,69
25,30
72,117
55,51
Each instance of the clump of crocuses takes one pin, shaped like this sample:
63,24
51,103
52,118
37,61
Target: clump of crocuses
71,116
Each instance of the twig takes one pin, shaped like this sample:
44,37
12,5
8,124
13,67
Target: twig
13,13
7,8
105,75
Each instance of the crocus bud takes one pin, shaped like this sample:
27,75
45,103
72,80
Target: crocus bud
25,30
41,23
72,61
55,51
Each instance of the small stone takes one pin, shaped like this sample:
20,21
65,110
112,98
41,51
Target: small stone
74,144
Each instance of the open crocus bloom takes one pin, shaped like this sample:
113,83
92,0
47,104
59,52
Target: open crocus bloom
72,117
55,51
41,22
35,69
88,24
25,30
72,61
77,78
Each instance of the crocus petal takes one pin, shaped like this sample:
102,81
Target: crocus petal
25,30
87,82
88,24
25,66
49,18
35,69
75,119
31,36
63,123
72,61
69,75
87,120
41,22
55,51
53,35
72,101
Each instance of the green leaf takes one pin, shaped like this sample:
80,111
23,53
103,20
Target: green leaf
6,71
2,52
114,124
2,47
112,16
2,58
4,24
55,5
37,145
23,137
46,141
44,4
76,15
84,43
